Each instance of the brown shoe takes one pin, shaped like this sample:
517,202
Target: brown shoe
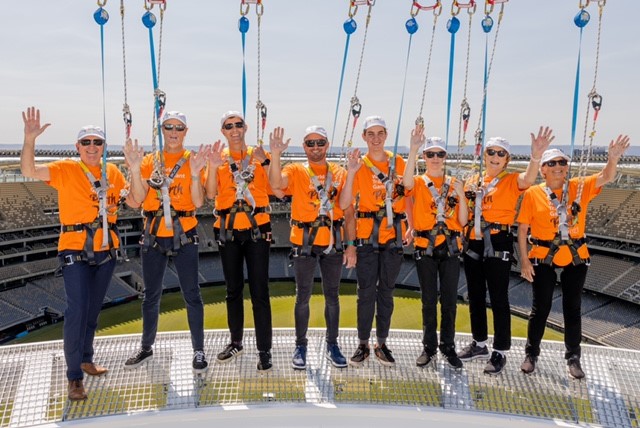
529,364
76,390
92,369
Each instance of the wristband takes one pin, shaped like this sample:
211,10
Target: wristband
350,243
266,162
195,177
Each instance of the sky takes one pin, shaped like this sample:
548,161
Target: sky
50,58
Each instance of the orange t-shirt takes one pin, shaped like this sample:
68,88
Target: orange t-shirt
259,187
499,204
305,204
371,192
179,191
425,210
540,214
78,202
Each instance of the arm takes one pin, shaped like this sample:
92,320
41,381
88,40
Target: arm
539,144
197,162
526,268
353,165
349,258
215,160
408,211
277,146
616,150
463,208
417,140
32,130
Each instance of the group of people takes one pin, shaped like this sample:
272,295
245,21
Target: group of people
357,216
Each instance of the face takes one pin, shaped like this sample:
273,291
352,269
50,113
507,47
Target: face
318,152
375,137
237,130
554,170
173,132
434,158
90,149
496,159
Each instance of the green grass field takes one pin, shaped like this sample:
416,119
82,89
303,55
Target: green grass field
126,318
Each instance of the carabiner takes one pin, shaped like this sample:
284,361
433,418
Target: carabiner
596,101
244,11
102,3
582,6
353,8
259,8
356,109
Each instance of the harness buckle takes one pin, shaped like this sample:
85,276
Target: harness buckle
68,260
506,256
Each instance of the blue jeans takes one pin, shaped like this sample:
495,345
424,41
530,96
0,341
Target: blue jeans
85,286
154,263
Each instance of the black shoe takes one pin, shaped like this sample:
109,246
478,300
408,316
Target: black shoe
453,360
140,357
528,366
573,366
496,363
299,360
335,356
229,353
264,361
427,357
360,356
473,351
199,362
383,354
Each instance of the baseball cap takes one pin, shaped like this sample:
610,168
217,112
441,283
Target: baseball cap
374,121
434,143
552,154
315,129
231,113
90,131
499,142
175,115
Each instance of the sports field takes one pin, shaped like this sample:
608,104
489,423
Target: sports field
126,318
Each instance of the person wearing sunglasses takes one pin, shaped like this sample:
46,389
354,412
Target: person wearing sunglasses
171,192
238,182
317,235
380,227
488,255
87,257
439,214
552,218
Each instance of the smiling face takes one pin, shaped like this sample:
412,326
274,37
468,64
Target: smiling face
434,160
317,153
496,160
174,132
234,130
90,153
375,138
555,171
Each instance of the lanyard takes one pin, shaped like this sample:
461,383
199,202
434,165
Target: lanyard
561,209
440,198
100,187
243,176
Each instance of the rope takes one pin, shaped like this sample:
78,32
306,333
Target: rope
452,27
465,110
261,113
243,26
349,26
126,112
436,14
102,17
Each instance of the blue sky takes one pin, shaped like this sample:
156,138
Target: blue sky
51,59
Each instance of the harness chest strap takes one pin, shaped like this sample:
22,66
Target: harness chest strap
480,194
100,187
388,185
325,201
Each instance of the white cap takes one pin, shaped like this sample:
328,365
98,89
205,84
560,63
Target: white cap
231,113
175,115
374,121
499,142
315,129
434,143
90,131
552,154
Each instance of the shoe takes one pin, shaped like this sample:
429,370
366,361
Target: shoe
76,390
528,366
496,363
92,369
454,361
383,354
575,371
335,356
427,357
473,351
199,362
229,353
264,361
299,360
140,357
360,356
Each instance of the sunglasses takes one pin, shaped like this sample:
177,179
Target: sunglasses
313,143
87,142
170,127
431,155
500,153
552,163
229,126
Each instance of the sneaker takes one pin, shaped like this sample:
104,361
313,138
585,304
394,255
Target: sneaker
199,362
528,366
140,357
264,361
360,356
427,357
473,351
383,354
453,360
575,371
335,356
299,360
76,390
231,351
496,363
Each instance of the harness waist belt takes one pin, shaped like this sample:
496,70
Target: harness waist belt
174,213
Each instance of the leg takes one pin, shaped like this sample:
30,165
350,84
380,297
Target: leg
331,269
544,282
389,268
232,258
186,262
367,274
449,272
427,270
304,268
154,263
257,255
572,279
102,275
497,273
477,289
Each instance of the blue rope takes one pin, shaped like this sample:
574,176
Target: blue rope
404,84
104,106
576,91
453,26
244,78
344,65
154,74
484,105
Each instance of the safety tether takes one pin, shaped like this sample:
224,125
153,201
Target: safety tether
102,17
453,25
437,10
126,111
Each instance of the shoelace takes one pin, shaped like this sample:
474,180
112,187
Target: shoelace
199,356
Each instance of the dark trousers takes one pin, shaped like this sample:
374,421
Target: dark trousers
377,273
256,254
490,274
85,286
330,269
448,270
154,264
572,280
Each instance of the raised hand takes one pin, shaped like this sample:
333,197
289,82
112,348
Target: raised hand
417,138
618,147
541,142
215,154
133,154
259,154
354,160
276,141
198,160
32,128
